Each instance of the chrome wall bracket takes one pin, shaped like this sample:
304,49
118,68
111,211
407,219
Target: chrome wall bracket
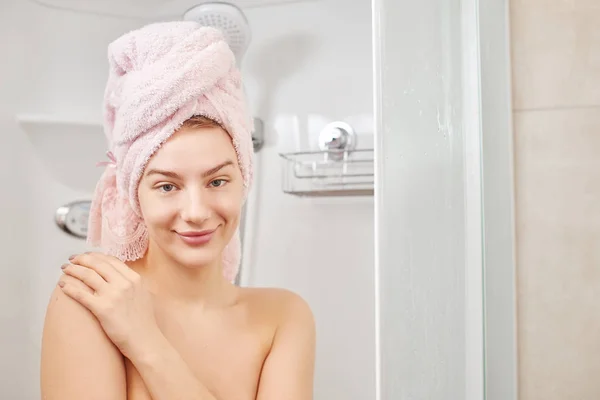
258,135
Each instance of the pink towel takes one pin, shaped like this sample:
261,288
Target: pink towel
159,76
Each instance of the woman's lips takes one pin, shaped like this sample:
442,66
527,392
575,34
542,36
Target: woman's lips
196,238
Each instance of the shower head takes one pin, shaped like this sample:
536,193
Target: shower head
229,19
232,22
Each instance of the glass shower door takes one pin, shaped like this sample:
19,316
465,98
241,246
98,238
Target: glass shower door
428,213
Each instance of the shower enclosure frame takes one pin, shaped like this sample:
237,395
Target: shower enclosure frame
499,262
490,291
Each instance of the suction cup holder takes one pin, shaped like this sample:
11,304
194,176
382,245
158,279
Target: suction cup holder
336,139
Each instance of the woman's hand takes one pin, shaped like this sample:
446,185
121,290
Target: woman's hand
115,295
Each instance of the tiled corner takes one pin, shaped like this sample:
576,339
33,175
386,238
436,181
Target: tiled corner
557,167
555,53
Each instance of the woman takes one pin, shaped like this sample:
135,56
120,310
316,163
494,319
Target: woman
157,316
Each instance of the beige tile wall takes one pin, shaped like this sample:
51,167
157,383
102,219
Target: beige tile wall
556,98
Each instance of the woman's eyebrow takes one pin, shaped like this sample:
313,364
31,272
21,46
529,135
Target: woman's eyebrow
174,175
170,174
216,169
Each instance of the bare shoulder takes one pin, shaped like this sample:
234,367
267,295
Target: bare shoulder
78,360
278,304
288,369
62,308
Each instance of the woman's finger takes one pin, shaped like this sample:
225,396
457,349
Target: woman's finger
79,292
119,266
98,264
86,275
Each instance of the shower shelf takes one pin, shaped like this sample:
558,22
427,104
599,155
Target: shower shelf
68,147
48,123
328,173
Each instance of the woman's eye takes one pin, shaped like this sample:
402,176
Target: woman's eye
166,187
217,183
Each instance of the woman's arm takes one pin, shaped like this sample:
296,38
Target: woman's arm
288,371
115,295
166,374
78,360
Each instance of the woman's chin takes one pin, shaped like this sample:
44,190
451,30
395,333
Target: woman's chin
196,258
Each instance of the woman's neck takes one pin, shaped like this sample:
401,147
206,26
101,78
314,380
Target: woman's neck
202,286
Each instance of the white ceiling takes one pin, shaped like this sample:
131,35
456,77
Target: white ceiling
146,9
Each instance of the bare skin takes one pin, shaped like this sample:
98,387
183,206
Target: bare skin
225,348
236,339
170,326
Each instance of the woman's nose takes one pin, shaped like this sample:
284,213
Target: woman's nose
195,208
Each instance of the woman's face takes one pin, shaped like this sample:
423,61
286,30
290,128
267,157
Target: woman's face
191,195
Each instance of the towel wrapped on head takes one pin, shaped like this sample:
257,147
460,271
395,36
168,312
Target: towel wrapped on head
160,76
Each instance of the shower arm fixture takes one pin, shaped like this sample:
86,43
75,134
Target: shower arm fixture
258,135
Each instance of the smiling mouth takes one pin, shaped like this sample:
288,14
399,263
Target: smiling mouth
196,238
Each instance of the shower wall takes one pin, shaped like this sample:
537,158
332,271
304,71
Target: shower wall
309,64
556,99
